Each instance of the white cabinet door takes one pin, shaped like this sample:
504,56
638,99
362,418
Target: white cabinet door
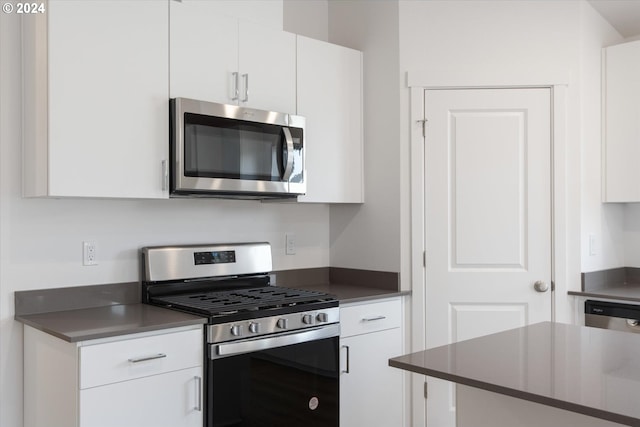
139,402
330,97
106,83
267,68
148,379
621,122
371,391
203,52
218,58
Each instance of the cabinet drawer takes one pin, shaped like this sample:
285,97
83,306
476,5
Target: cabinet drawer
139,357
371,317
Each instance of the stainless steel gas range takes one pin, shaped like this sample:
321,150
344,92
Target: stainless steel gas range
271,353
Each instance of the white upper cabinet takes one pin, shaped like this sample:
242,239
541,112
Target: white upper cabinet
96,99
219,58
267,68
621,124
203,51
330,97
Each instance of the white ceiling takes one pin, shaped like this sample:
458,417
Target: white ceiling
623,15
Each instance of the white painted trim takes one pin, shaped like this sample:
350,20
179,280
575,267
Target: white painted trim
435,78
603,128
560,231
561,211
418,293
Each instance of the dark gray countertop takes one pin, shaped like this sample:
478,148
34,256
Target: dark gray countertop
621,283
113,320
348,285
350,293
89,322
623,293
595,372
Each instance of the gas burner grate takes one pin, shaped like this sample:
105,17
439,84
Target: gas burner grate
232,301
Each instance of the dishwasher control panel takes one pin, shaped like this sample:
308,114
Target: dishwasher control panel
612,315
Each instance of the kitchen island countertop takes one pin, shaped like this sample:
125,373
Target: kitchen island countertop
589,371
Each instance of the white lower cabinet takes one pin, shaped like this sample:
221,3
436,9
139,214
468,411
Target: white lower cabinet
151,379
371,392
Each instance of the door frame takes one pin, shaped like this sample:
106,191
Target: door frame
418,83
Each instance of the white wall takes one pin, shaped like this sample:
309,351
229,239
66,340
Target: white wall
368,236
531,38
41,239
605,222
309,18
631,234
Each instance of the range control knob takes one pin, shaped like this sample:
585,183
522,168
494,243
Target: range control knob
236,330
254,327
282,323
307,319
322,317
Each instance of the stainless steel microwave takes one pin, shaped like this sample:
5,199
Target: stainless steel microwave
219,150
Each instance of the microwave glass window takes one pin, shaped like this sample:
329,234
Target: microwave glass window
224,148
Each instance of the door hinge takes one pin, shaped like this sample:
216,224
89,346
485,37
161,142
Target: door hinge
426,392
424,126
424,258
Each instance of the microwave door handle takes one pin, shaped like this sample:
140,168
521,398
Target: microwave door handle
288,169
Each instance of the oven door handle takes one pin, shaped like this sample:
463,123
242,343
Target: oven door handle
233,348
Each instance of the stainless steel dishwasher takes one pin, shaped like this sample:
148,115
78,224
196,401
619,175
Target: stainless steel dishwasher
612,315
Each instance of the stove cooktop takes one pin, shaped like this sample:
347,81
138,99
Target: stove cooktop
248,303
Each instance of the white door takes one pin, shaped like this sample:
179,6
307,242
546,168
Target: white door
488,218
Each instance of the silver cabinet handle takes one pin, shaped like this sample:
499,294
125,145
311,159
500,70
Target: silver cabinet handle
235,90
198,406
288,169
165,176
246,88
373,319
346,370
147,358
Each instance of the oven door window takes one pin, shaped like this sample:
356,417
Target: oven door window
296,385
217,147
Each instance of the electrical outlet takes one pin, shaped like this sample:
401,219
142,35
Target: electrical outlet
89,253
290,243
592,245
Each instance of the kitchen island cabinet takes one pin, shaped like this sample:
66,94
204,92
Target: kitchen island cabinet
143,380
542,375
371,393
96,99
621,122
218,58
